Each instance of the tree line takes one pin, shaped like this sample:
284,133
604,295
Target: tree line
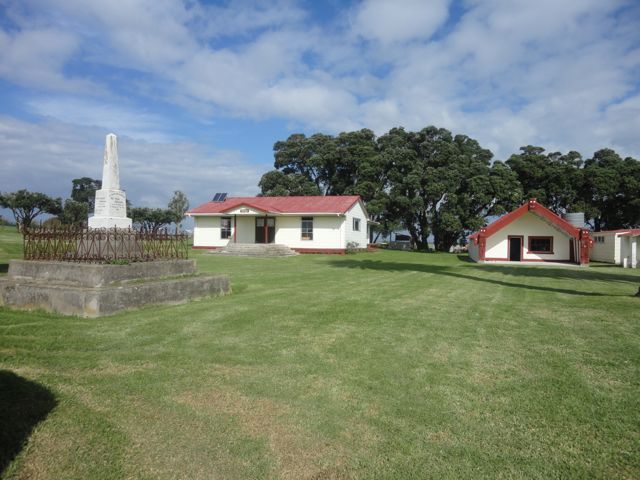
26,206
433,182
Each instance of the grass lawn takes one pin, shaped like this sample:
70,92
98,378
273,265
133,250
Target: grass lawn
375,365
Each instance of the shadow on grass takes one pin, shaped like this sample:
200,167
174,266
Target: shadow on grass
23,404
557,272
465,273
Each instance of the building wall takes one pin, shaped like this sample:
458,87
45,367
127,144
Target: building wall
361,237
606,251
629,250
326,232
473,251
206,232
526,226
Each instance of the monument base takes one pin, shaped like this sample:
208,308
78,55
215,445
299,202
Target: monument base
95,290
109,222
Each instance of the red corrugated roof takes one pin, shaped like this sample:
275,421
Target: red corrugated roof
291,205
622,231
632,232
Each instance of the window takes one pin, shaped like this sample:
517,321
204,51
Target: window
356,224
307,228
540,244
225,227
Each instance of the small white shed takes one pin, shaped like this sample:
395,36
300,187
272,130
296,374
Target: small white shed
616,246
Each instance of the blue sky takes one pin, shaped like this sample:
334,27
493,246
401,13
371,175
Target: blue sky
198,92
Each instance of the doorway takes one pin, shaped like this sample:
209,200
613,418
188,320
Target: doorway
515,249
265,229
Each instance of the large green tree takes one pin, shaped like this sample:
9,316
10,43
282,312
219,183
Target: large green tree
276,183
443,185
555,179
611,191
26,206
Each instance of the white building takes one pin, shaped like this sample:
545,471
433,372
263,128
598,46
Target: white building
531,233
616,246
314,224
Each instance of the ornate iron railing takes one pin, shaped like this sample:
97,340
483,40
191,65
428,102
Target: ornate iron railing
113,245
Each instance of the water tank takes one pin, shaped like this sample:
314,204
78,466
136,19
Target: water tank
575,219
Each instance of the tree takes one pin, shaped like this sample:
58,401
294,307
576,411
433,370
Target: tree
178,205
151,219
443,185
278,184
74,213
407,180
26,206
611,191
555,179
84,191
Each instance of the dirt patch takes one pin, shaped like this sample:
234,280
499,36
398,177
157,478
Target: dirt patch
297,454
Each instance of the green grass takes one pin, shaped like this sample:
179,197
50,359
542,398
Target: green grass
379,365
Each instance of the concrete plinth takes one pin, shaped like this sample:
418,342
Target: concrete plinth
94,290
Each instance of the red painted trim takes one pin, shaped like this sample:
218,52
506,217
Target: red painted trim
536,237
482,247
531,260
509,237
534,207
627,231
245,205
335,251
585,244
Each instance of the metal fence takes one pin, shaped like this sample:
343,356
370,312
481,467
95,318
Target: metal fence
113,245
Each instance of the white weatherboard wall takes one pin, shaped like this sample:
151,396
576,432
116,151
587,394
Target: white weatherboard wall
607,250
528,225
326,232
206,232
360,238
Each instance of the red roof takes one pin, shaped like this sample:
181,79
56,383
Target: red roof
530,206
291,205
622,231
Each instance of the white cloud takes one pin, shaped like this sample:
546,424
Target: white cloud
37,57
46,157
137,124
404,20
559,74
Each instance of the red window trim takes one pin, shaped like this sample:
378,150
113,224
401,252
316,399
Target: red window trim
550,252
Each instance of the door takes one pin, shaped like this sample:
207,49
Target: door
265,229
515,249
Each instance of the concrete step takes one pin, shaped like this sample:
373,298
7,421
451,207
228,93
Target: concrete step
257,250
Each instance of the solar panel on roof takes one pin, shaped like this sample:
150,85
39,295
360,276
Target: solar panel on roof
219,197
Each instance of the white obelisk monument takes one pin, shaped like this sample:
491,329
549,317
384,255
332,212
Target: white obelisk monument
111,202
